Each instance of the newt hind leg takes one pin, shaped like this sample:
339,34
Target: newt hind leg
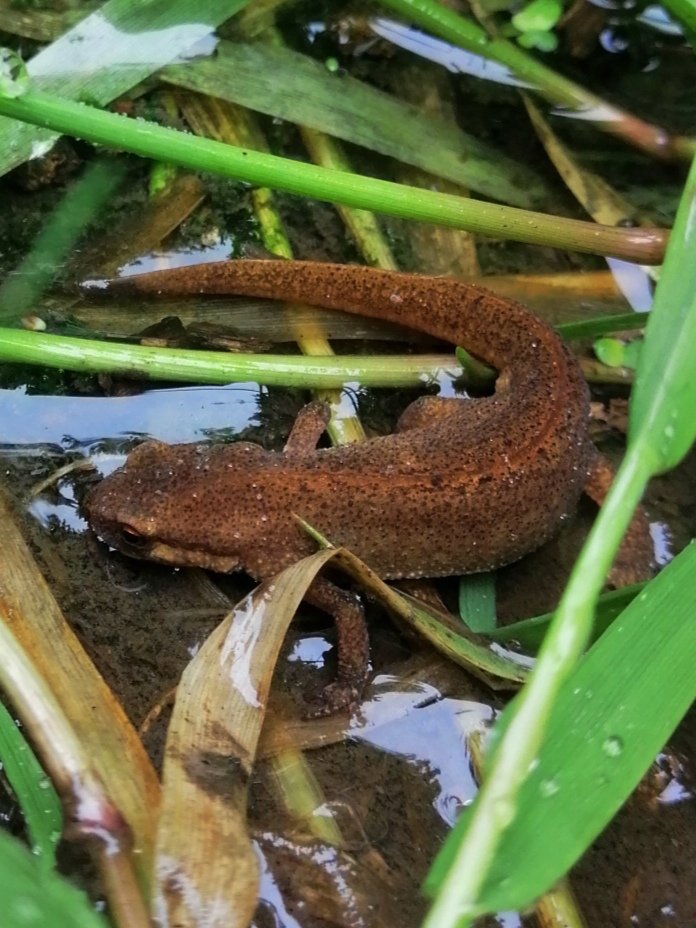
308,428
353,645
635,559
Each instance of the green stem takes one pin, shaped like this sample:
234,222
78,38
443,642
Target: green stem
85,355
557,89
645,246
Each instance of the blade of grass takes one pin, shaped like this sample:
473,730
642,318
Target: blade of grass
33,896
609,720
662,430
477,602
37,798
529,633
642,245
444,22
602,325
287,85
106,54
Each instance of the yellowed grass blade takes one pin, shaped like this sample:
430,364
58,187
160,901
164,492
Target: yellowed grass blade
601,201
81,731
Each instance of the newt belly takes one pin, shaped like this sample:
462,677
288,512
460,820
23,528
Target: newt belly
462,485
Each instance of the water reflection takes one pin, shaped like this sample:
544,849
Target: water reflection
430,733
97,44
634,282
174,415
449,56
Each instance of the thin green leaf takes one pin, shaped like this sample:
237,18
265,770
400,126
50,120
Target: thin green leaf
601,325
33,896
529,633
662,425
665,430
477,602
35,793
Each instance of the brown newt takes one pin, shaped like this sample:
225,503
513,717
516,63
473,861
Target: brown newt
461,486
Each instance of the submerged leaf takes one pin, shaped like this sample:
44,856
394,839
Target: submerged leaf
287,85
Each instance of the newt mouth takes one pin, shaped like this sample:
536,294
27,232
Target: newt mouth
192,557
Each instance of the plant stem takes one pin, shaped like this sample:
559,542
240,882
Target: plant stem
645,246
85,355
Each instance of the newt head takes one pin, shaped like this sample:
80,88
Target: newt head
172,504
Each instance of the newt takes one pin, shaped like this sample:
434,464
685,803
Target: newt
463,485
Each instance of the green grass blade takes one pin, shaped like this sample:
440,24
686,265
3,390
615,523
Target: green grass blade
529,633
609,720
287,85
477,602
602,325
36,796
33,896
662,424
106,54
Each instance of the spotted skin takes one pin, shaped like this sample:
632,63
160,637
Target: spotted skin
462,486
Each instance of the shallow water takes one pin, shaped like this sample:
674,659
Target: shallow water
398,780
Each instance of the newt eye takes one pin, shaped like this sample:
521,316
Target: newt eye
132,537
